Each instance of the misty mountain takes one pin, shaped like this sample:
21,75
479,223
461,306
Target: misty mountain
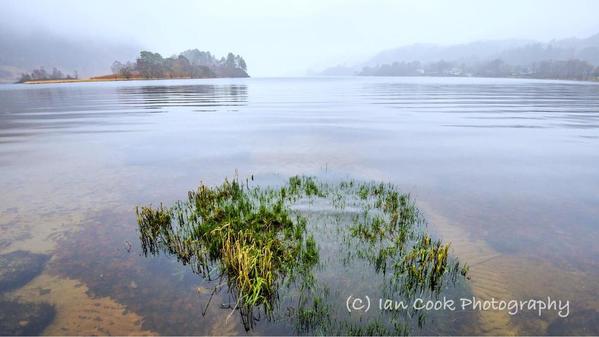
557,50
515,52
469,52
20,52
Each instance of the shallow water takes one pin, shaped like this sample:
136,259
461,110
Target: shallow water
504,169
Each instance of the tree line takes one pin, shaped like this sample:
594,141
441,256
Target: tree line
41,74
573,69
191,63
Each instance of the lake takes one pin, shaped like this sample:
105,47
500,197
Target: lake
506,170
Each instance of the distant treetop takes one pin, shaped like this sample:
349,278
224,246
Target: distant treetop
573,69
191,63
42,75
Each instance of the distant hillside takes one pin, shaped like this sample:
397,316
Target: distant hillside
469,52
512,52
558,50
22,52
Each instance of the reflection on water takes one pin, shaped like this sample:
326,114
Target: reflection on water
504,169
65,109
199,96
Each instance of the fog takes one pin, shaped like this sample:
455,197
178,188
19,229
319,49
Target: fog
283,38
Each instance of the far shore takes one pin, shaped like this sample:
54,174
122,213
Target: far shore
112,78
103,79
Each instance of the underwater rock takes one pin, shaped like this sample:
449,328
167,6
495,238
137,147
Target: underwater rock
18,268
579,323
18,319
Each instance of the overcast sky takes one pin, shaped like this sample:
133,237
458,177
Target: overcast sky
289,37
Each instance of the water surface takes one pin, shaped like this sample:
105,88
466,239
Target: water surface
505,169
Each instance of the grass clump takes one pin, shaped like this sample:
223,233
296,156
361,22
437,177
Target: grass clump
254,240
389,233
248,234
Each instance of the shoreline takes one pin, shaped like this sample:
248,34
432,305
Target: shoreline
70,81
505,77
114,79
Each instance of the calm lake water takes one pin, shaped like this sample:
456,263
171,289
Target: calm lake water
506,170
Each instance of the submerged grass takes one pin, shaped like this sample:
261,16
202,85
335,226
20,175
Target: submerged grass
252,239
248,234
389,233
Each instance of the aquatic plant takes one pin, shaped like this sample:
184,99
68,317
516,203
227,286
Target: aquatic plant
249,234
255,240
389,233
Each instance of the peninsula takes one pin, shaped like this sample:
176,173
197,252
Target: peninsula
189,64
